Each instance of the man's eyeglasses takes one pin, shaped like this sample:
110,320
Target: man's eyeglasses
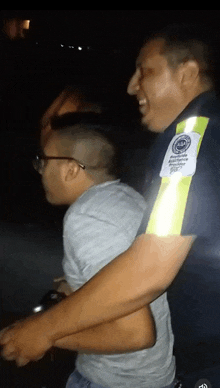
39,161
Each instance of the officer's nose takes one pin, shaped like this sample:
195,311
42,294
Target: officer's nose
133,85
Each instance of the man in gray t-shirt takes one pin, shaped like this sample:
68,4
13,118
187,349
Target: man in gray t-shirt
79,169
99,226
102,222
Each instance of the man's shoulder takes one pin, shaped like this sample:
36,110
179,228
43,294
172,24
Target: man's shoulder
111,199
110,192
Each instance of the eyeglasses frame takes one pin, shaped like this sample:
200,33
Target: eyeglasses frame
38,158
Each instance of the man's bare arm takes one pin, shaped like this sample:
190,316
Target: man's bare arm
127,334
129,282
132,280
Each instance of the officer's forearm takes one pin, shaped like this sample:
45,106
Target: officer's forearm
127,334
132,280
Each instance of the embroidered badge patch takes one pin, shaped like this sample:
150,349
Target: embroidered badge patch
181,155
181,144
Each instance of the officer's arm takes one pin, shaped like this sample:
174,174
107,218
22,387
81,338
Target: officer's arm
128,334
132,280
129,282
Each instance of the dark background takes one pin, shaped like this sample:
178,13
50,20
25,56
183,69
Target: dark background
34,70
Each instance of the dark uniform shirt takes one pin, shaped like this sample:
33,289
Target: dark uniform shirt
197,294
202,214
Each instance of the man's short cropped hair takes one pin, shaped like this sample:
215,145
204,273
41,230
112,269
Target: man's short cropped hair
96,129
184,42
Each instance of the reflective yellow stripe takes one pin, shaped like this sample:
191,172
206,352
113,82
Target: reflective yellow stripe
168,212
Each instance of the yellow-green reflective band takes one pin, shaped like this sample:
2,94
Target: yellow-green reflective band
168,212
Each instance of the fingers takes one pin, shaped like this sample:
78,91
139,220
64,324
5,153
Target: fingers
21,361
5,335
8,352
2,332
59,279
15,341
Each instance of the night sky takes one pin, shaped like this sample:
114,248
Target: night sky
109,27
37,69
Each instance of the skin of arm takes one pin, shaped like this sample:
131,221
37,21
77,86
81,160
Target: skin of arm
127,334
134,332
136,282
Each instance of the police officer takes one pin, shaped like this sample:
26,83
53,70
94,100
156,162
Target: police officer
175,90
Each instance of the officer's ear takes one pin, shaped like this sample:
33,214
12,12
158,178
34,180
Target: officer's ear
189,73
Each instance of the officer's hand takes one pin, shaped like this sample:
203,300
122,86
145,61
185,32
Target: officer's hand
25,341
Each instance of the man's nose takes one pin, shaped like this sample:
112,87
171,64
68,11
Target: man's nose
133,85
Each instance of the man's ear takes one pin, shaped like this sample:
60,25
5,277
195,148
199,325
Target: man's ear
69,171
190,73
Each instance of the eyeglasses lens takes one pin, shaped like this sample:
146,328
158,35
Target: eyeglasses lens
38,163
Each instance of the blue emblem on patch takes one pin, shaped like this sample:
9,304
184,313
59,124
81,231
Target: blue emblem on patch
181,144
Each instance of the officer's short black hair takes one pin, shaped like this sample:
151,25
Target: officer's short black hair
184,42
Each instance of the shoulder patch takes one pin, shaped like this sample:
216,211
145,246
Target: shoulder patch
181,155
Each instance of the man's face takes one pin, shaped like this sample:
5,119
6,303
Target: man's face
157,88
52,178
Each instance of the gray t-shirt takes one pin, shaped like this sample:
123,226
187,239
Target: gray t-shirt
99,226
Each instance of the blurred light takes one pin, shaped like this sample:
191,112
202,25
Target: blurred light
26,24
62,45
16,28
79,48
37,309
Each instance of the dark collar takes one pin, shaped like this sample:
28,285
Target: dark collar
193,108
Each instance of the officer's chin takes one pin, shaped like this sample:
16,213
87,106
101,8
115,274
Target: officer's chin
146,125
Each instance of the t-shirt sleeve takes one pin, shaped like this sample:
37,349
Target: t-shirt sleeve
89,244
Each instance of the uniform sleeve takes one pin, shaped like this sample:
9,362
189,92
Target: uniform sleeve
89,244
